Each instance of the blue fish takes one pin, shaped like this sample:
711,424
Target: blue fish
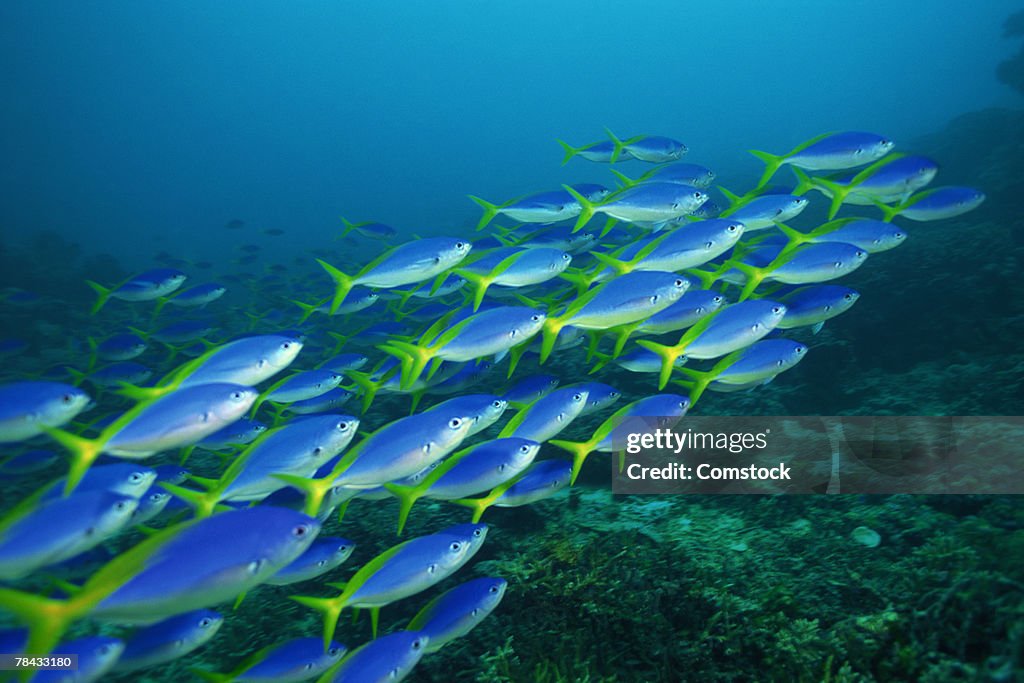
169,639
458,611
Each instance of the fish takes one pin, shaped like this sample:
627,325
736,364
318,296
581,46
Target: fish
291,661
298,448
544,207
513,267
368,229
487,333
168,640
405,264
27,409
362,299
397,450
763,212
146,286
529,389
324,555
935,204
28,462
870,235
651,202
604,151
757,363
115,374
547,416
678,172
807,264
96,655
193,297
119,347
668,408
399,572
324,403
388,658
57,529
470,471
599,396
728,329
619,301
893,178
456,612
689,246
814,304
828,152
541,480
180,418
655,149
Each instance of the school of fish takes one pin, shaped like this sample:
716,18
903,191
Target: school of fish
215,467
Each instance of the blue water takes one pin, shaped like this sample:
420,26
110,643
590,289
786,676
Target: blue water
133,134
173,118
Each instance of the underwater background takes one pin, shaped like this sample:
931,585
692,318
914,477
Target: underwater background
225,139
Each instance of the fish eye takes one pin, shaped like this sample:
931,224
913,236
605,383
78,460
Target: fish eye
103,650
285,346
800,349
698,195
718,299
417,644
492,589
455,546
135,478
454,423
205,621
861,253
477,533
121,505
237,395
496,404
848,296
343,426
566,257
300,530
577,397
318,450
334,652
535,318
67,399
777,309
679,282
524,449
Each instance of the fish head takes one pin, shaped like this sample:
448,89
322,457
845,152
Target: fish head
343,550
531,325
492,412
340,435
135,482
117,512
523,453
495,592
234,401
62,403
282,353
